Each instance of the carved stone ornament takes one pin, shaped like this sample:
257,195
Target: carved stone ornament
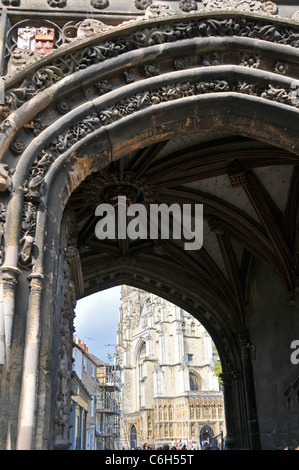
295,16
159,10
13,3
84,58
25,256
5,181
57,3
242,5
142,4
90,27
19,59
188,5
18,146
99,4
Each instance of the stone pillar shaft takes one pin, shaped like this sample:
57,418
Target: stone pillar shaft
30,368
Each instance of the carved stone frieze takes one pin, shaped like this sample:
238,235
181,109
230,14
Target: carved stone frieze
126,107
242,5
63,398
72,287
95,54
159,10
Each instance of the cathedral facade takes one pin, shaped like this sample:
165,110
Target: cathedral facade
169,390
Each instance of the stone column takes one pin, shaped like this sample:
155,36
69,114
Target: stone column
3,32
252,420
10,276
229,382
30,366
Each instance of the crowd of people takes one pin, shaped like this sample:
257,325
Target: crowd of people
175,445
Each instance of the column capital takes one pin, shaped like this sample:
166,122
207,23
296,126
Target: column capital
36,280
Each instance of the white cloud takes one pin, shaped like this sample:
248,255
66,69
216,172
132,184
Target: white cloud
96,321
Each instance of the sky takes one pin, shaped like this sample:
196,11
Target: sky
96,321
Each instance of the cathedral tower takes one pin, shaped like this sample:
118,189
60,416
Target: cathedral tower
169,390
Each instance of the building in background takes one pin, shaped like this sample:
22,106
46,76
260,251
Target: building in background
95,415
169,390
108,411
84,392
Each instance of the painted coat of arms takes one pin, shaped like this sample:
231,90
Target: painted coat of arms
39,40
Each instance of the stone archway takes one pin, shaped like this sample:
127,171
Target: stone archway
104,109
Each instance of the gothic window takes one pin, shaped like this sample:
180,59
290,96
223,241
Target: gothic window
133,437
170,413
149,427
140,359
194,382
192,328
141,372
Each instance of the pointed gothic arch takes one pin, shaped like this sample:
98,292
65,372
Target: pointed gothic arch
195,381
97,128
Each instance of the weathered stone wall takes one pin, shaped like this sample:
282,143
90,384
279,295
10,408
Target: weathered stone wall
273,325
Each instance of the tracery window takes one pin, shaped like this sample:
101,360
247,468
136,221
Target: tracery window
194,382
141,372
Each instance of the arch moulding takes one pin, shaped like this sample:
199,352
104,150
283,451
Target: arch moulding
89,105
